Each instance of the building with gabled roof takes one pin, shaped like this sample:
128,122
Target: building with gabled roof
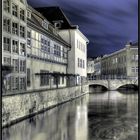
77,56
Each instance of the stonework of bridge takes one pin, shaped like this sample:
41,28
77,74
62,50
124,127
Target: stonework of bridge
113,84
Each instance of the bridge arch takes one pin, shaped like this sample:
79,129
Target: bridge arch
132,86
102,85
97,88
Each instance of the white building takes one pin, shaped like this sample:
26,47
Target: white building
77,56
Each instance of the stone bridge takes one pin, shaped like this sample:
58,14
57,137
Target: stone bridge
113,84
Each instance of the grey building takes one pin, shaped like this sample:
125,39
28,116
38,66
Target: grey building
97,67
122,63
14,27
90,68
34,56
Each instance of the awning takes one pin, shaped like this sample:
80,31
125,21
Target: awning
56,74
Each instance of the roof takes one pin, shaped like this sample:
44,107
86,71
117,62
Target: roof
55,13
34,23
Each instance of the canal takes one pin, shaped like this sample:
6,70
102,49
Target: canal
111,115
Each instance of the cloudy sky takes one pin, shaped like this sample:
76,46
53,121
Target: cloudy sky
108,24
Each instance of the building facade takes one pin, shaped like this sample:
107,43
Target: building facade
90,68
77,55
34,56
14,28
97,67
121,64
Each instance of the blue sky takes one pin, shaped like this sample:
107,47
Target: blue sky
108,24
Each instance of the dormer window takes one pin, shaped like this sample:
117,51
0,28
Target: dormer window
45,24
28,14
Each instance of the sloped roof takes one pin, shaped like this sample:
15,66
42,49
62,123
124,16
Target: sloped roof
56,14
38,25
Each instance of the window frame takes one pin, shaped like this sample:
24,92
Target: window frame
6,5
22,15
7,24
15,30
14,10
6,44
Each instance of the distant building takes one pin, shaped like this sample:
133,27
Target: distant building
77,55
90,68
122,63
97,68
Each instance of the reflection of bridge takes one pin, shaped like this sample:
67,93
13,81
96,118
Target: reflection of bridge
113,84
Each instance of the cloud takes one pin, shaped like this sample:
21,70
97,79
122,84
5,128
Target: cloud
108,25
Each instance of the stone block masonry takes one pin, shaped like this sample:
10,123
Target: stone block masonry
18,107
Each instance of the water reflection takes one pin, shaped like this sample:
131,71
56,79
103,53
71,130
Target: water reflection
101,116
113,115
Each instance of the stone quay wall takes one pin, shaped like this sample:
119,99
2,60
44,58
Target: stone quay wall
20,106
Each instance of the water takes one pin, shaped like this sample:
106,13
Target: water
99,116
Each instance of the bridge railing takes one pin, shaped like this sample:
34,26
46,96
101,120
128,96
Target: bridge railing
111,78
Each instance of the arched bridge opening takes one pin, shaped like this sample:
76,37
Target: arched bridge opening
97,88
128,87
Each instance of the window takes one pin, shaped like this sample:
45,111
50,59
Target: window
28,14
22,83
21,1
6,24
44,79
48,46
136,57
14,10
15,83
7,60
45,24
28,38
6,5
124,58
133,57
15,46
57,50
8,84
62,79
78,62
84,64
63,53
22,31
58,79
6,44
22,14
45,46
15,65
15,28
22,49
133,69
54,80
28,34
28,77
22,65
136,69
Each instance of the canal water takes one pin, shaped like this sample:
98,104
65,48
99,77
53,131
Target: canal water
111,115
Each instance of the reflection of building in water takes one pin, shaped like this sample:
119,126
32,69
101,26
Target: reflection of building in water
81,130
66,122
